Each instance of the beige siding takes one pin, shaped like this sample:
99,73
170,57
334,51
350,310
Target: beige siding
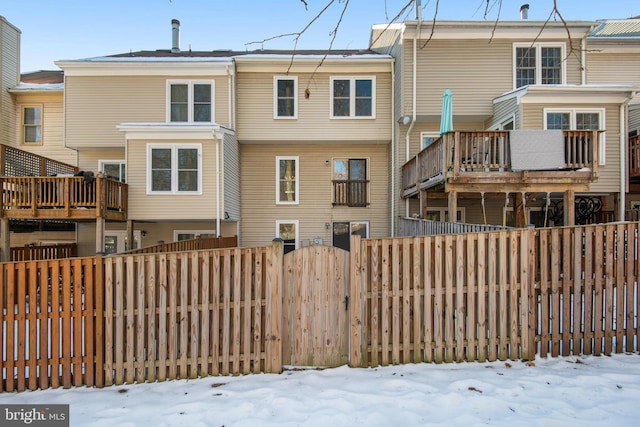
89,160
174,206
42,237
96,105
476,71
613,68
609,178
505,110
258,191
9,77
231,177
256,121
52,127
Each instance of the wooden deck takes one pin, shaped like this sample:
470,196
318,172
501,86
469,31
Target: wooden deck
68,197
481,161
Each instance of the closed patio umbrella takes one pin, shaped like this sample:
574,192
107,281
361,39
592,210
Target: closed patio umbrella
446,119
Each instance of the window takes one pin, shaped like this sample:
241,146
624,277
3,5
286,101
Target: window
287,181
180,235
427,138
577,119
539,64
353,97
174,169
288,231
190,101
342,232
350,184
32,124
114,169
285,97
442,214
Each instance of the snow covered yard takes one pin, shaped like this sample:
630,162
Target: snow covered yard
570,391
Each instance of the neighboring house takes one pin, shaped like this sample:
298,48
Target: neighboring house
505,76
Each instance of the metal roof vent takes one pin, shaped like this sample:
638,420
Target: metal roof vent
175,36
524,11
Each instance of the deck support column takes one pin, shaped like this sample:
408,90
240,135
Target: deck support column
129,243
100,235
453,206
423,204
569,204
5,238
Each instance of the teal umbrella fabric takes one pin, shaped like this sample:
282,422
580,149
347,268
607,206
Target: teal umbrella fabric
446,119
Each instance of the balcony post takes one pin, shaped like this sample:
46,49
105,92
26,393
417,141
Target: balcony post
453,206
569,203
100,235
5,237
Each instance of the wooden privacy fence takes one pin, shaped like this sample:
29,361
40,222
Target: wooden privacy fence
101,321
464,297
189,245
497,295
42,252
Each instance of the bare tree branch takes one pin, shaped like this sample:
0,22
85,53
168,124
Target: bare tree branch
395,18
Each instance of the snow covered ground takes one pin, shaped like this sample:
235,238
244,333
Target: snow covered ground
570,391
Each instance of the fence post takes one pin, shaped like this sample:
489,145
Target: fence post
99,346
273,320
355,309
528,292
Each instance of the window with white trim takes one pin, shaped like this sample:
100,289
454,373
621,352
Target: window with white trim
428,138
285,97
190,101
114,169
353,97
180,235
287,180
174,169
538,64
32,124
288,231
343,230
577,119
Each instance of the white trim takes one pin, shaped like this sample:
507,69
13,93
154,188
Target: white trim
121,163
352,97
276,79
174,168
537,46
423,135
297,229
23,135
296,179
196,233
190,102
602,142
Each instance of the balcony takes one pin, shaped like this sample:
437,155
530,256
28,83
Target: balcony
482,161
351,193
67,197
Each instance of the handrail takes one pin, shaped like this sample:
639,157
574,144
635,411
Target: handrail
16,162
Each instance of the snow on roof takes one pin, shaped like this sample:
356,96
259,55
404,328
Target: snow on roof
38,87
617,28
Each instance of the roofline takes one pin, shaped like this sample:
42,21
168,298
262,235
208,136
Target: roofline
522,91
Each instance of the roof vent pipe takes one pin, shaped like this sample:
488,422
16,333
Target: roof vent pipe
175,36
524,11
419,10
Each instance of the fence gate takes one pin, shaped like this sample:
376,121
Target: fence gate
315,308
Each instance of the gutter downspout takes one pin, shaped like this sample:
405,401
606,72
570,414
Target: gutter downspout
583,60
231,81
217,186
393,150
414,81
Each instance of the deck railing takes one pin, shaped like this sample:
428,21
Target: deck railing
460,152
68,197
37,253
352,193
188,245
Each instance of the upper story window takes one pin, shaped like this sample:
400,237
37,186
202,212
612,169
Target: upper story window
190,101
285,99
353,97
174,169
350,184
287,181
538,64
32,124
114,169
428,138
577,119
